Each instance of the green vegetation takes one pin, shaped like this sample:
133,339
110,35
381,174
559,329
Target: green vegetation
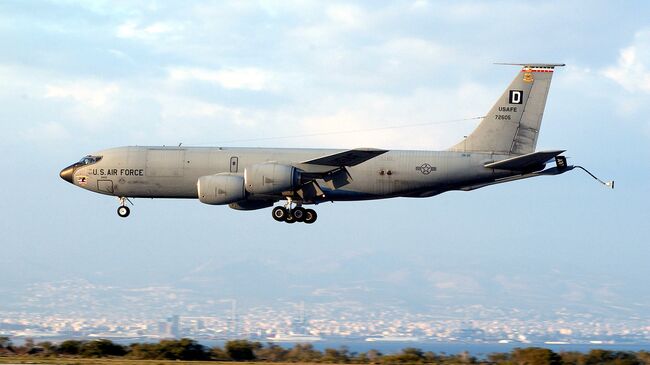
187,350
184,349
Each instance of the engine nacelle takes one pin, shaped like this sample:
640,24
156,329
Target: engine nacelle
251,204
271,178
220,189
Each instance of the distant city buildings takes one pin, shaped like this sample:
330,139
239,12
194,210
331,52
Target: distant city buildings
170,328
332,322
75,309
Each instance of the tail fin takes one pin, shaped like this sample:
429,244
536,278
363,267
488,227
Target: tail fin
512,125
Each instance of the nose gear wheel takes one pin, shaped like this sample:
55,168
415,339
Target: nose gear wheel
124,211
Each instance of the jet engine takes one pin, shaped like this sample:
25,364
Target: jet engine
220,189
271,178
251,204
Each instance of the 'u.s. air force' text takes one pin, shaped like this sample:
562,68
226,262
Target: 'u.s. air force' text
117,172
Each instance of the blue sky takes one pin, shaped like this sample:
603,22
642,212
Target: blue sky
80,76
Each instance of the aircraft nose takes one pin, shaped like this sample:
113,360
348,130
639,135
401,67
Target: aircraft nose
66,174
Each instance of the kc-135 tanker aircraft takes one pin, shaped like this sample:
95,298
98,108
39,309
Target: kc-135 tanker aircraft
500,149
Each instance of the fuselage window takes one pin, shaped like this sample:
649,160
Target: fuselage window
90,160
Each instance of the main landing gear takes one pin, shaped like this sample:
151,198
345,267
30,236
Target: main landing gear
123,211
293,215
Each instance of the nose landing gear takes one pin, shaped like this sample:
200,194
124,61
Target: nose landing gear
292,215
124,211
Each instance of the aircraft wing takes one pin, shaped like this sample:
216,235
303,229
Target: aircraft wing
347,158
332,170
524,162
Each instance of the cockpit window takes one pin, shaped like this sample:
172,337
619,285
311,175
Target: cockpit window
90,160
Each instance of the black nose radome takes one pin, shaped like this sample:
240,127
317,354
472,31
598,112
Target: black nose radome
66,174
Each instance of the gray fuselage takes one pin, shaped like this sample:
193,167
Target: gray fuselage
172,172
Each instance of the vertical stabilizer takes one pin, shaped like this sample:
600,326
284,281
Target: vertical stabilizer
512,125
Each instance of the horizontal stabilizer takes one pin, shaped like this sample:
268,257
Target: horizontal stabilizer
524,162
549,65
347,158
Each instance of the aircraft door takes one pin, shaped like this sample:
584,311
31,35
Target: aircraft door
105,186
234,164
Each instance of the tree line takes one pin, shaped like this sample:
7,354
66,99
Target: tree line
244,350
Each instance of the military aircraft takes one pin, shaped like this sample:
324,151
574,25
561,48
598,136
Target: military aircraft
500,149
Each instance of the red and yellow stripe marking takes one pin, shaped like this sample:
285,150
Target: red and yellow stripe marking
537,70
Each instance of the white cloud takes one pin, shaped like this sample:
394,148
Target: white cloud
436,112
632,70
407,59
248,78
94,94
467,11
336,27
181,109
119,55
133,30
87,102
420,4
45,132
348,16
473,11
423,50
